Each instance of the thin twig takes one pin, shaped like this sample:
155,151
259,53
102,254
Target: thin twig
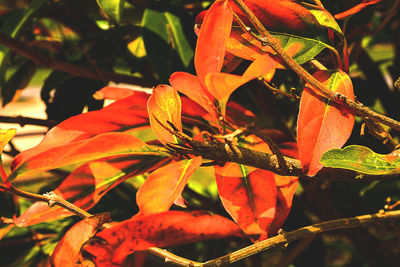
76,70
305,232
358,108
22,121
52,199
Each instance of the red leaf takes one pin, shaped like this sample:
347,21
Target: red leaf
128,113
356,8
161,229
323,125
165,185
211,44
249,196
86,185
164,106
79,152
68,250
286,186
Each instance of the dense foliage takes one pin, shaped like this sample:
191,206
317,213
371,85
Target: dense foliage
260,118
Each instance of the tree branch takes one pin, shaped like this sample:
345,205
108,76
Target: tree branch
22,121
358,108
305,232
223,153
76,70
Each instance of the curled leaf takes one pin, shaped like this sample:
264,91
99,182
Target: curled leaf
164,107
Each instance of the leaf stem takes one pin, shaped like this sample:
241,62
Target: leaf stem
358,108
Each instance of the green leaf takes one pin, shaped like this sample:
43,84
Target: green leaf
113,8
362,159
14,26
162,33
183,47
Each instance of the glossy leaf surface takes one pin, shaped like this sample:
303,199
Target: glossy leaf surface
113,8
222,85
125,114
161,230
164,106
79,152
68,250
165,185
86,185
213,36
362,159
323,125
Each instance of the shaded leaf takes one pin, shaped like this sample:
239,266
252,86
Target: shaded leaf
165,185
67,253
113,8
213,36
79,152
163,32
159,230
164,106
249,196
362,159
323,125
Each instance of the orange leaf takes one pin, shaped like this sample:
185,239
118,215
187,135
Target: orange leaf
165,185
190,86
164,106
211,43
248,196
79,152
113,93
128,113
68,250
161,229
86,185
222,85
323,125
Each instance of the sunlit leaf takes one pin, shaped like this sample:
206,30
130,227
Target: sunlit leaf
211,43
190,85
165,185
222,85
323,125
113,8
113,93
86,185
362,159
164,107
79,152
67,253
159,230
5,136
125,114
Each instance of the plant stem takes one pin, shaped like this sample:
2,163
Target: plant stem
358,108
305,232
22,121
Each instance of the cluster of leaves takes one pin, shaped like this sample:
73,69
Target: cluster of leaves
153,137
